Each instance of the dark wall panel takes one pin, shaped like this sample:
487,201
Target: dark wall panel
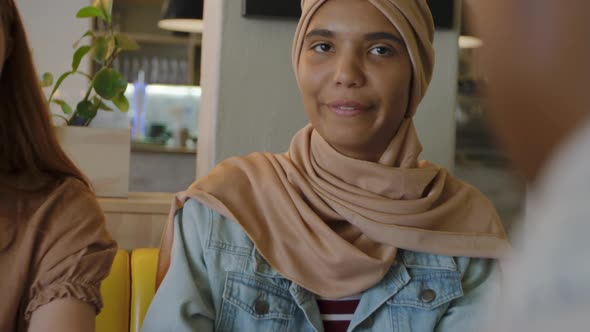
443,11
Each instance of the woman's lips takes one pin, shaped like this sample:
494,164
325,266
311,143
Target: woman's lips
347,107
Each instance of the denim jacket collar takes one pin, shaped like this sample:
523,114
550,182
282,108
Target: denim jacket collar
376,296
418,260
396,278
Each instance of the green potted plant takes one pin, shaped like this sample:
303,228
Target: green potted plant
101,153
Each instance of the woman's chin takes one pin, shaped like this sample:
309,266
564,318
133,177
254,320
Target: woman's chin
350,145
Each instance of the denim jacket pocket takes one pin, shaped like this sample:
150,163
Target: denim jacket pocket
423,301
251,303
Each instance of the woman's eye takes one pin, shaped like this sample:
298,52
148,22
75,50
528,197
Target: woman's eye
322,47
381,51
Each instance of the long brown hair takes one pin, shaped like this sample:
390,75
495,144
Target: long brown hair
28,144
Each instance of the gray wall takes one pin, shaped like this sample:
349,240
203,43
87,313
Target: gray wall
161,172
260,108
250,98
52,28
435,119
249,90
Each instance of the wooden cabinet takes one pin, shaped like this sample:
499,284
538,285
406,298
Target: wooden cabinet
165,57
137,221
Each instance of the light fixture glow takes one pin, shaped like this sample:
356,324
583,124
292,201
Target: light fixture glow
168,90
186,25
469,42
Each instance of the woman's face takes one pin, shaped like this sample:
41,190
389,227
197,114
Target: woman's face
354,77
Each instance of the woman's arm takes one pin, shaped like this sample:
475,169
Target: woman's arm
73,254
65,315
470,312
183,301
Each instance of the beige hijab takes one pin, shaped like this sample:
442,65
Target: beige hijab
333,224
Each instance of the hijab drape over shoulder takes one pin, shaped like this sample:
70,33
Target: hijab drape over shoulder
333,224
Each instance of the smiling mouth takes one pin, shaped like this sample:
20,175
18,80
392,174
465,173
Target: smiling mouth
348,108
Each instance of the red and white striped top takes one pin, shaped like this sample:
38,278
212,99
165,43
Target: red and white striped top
337,313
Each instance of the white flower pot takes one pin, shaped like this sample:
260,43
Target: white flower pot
102,154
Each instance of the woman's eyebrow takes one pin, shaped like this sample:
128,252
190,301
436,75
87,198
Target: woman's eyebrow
373,36
320,33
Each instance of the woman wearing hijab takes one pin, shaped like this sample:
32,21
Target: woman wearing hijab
55,249
347,230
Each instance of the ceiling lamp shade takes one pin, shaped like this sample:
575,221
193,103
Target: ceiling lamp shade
469,37
182,15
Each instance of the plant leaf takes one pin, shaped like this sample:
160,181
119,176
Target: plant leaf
46,80
106,6
78,56
88,33
59,82
101,49
101,104
121,102
125,42
64,106
109,83
91,11
86,109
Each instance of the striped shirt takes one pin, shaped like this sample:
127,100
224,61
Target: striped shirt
336,314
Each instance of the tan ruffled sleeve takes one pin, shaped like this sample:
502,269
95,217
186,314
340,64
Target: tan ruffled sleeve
75,250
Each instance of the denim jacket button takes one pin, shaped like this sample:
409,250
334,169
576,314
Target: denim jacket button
261,307
427,295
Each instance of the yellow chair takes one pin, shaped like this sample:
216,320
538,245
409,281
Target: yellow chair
115,290
143,284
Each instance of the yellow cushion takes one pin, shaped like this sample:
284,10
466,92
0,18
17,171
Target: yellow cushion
115,291
143,287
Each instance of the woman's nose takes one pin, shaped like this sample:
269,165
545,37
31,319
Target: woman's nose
349,71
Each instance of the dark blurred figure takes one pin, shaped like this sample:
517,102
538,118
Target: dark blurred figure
537,59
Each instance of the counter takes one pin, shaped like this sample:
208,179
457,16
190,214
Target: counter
156,148
159,168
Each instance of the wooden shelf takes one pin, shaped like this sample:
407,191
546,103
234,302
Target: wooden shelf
153,3
153,148
167,40
143,203
147,38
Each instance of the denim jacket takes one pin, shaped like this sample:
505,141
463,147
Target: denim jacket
217,281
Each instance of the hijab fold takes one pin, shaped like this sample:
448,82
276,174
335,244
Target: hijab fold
333,224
